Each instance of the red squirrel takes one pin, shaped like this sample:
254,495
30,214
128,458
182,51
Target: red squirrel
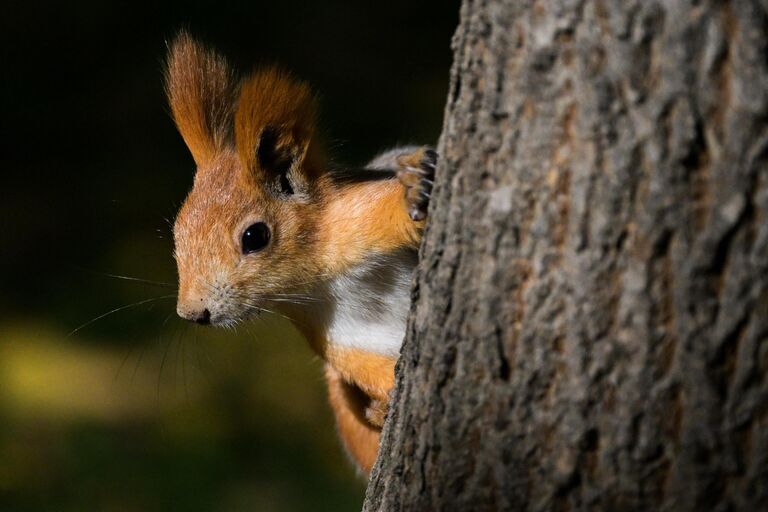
269,225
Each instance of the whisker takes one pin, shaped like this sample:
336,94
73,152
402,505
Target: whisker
298,302
141,354
294,321
201,367
293,299
139,280
184,367
162,362
179,344
122,364
283,297
265,310
126,278
207,354
121,308
197,354
138,363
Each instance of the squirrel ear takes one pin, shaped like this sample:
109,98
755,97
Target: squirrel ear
274,131
201,90
276,155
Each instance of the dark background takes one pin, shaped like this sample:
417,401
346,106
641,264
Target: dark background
138,410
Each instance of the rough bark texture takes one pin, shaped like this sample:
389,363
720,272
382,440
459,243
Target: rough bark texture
590,322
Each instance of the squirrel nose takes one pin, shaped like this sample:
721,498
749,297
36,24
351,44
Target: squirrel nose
202,317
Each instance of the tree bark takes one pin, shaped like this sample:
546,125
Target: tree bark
590,319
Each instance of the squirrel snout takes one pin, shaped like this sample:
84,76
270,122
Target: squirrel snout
199,314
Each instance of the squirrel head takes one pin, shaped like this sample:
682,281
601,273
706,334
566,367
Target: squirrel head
246,233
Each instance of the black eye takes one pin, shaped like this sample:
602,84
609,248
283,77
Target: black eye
255,238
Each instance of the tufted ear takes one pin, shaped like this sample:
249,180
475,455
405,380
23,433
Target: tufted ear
274,131
202,91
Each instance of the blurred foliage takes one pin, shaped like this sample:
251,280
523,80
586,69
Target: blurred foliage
188,423
138,410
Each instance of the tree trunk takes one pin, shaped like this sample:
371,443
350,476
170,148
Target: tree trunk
590,319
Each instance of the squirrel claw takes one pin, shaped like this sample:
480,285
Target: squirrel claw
416,171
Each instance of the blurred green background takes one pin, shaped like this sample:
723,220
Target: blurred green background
139,411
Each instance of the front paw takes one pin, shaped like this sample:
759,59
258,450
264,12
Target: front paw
416,171
376,412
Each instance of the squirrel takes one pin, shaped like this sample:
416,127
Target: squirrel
270,226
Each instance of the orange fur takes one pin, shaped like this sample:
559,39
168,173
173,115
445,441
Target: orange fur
360,438
365,219
321,231
372,373
271,97
201,91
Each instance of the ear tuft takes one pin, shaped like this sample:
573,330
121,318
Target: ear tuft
202,91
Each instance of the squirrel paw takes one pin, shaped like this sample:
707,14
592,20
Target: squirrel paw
376,412
416,171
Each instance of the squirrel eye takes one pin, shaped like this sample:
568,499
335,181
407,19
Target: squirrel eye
255,237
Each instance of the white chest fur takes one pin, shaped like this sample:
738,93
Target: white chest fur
367,307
